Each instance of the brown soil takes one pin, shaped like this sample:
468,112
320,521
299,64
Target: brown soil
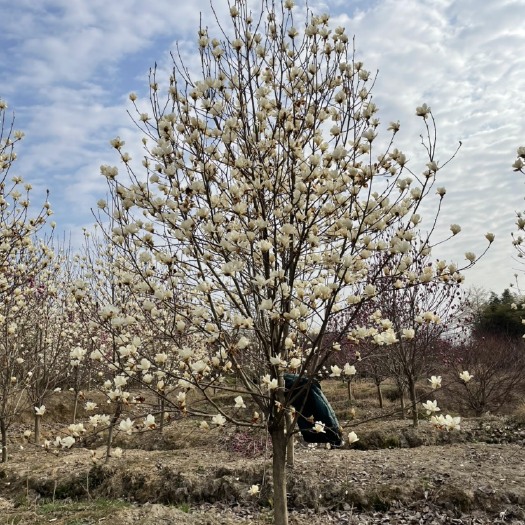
462,481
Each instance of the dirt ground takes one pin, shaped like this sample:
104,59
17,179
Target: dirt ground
394,474
477,477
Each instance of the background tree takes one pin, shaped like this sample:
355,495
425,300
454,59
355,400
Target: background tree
267,193
499,316
47,332
496,373
427,312
421,314
518,240
114,324
22,259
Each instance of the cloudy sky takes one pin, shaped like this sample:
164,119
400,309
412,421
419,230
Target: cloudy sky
67,67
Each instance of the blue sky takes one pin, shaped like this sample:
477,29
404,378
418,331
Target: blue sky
67,67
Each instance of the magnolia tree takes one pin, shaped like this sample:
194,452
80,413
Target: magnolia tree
46,333
488,372
105,311
268,194
517,239
22,259
420,316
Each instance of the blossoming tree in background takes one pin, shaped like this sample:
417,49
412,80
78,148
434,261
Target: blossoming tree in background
119,314
517,238
419,317
47,332
267,197
22,259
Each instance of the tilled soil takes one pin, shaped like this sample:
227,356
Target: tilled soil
465,483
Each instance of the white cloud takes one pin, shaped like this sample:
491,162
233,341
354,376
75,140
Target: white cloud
67,67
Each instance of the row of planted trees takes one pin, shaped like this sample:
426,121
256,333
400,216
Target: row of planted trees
268,210
469,335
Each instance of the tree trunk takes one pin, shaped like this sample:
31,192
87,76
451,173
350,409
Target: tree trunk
114,420
77,392
350,393
379,394
75,407
37,429
413,400
3,432
162,413
403,408
290,441
280,504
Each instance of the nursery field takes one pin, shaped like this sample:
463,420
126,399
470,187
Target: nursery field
393,474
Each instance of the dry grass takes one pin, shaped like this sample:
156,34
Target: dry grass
185,467
518,415
63,512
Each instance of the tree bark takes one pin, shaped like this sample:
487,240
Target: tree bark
413,400
290,441
379,394
280,504
402,400
162,413
350,393
114,420
37,429
75,408
3,432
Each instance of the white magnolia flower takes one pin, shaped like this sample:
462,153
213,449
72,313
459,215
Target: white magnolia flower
254,490
423,111
446,422
94,420
126,425
218,419
181,398
431,407
336,371
76,429
239,402
40,411
435,381
465,376
352,438
67,442
318,426
243,343
266,304
161,358
199,367
149,421
455,229
120,381
277,361
77,353
349,370
295,363
408,333
273,384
